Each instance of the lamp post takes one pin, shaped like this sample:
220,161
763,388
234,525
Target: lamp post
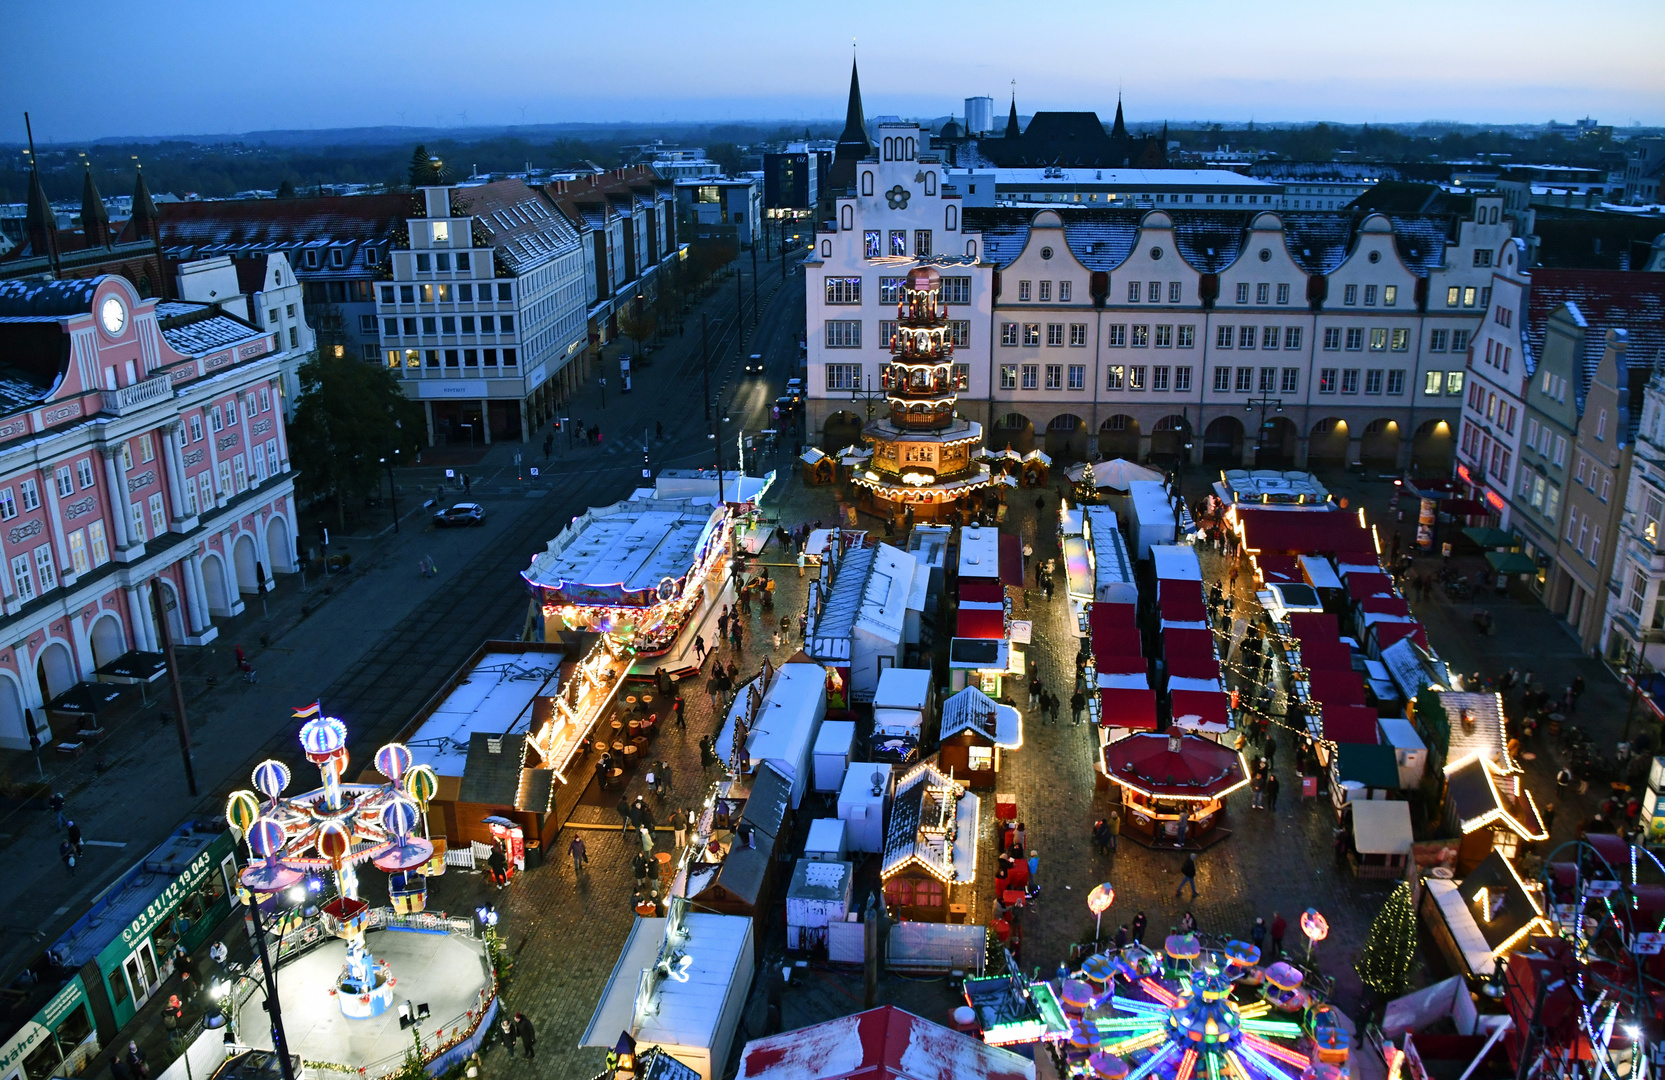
1264,401
280,1041
392,490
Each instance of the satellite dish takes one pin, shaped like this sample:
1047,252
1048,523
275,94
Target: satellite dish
878,782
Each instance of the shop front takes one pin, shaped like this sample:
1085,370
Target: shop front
124,947
58,1040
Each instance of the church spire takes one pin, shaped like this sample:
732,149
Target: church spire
40,223
95,220
1012,129
855,121
1118,130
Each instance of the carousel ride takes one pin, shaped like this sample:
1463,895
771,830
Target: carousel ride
1198,1012
1592,997
331,830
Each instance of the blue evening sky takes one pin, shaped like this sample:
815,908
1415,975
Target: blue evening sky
93,68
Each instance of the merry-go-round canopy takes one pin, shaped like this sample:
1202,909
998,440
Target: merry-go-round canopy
1174,765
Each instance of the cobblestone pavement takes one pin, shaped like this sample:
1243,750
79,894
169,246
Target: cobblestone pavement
566,931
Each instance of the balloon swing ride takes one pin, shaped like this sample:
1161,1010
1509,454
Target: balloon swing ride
333,828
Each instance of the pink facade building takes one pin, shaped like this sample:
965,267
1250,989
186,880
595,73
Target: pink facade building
142,446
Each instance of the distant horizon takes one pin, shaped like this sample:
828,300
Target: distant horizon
490,130
327,66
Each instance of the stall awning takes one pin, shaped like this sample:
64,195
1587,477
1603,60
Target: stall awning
1105,617
1385,605
133,666
1361,586
1117,641
1314,624
1201,710
1128,707
1350,724
1369,764
1334,688
1179,591
982,592
1011,560
1488,537
1280,569
1511,562
1180,642
1297,532
1193,667
1463,507
1320,655
1184,608
980,623
1120,665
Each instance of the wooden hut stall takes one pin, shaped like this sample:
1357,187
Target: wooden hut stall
1382,837
930,846
742,880
1477,923
975,729
818,467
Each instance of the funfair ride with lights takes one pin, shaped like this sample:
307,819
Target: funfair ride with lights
333,828
1193,1013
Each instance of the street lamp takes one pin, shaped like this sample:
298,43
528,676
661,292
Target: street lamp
1264,401
392,490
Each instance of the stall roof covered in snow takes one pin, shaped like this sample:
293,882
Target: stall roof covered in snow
793,703
972,710
686,1009
875,1045
869,592
491,698
633,543
1382,826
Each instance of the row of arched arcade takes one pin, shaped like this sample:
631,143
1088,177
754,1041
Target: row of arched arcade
1228,439
207,585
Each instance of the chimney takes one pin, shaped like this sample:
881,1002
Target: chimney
1173,740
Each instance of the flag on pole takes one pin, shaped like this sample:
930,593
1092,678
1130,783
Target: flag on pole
307,712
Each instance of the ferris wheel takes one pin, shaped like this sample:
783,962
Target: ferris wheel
1605,976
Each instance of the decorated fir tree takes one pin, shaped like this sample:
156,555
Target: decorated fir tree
1086,488
1390,950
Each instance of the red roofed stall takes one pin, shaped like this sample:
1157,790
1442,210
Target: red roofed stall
1174,780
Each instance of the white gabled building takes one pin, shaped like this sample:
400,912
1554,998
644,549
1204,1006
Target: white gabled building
1099,330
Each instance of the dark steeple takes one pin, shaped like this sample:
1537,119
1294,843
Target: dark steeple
144,210
852,145
95,221
40,223
1118,130
1012,129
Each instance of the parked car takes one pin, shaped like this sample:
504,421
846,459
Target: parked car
466,513
795,389
754,364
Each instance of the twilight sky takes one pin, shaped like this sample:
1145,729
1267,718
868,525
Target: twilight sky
195,67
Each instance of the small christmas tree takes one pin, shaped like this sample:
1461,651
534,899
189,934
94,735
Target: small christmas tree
1086,488
1385,964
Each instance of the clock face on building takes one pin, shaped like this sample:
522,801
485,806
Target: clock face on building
113,314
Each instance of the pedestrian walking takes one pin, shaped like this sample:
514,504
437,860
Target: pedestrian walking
678,710
646,836
1078,702
1271,751
580,857
1139,928
66,852
119,1069
1123,936
1257,932
643,813
1020,838
57,804
1278,928
1188,875
1271,790
137,1062
679,828
1257,787
506,1032
1034,695
1113,826
699,647
625,817
498,863
708,758
664,778
467,484
1034,872
73,834
1101,836
528,1037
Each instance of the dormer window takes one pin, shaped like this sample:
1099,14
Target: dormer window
338,257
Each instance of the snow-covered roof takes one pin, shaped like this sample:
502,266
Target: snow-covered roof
1482,733
973,710
979,552
633,543
496,693
206,334
1141,179
933,824
869,592
686,1010
876,1044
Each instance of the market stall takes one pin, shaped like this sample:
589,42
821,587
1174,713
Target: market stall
976,729
1172,780
930,845
1382,837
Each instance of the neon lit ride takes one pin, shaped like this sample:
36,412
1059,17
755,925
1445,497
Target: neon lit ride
334,828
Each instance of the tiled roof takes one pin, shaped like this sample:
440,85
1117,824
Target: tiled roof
46,299
522,223
1632,301
923,801
194,329
1102,243
1421,239
247,227
1209,240
1317,242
